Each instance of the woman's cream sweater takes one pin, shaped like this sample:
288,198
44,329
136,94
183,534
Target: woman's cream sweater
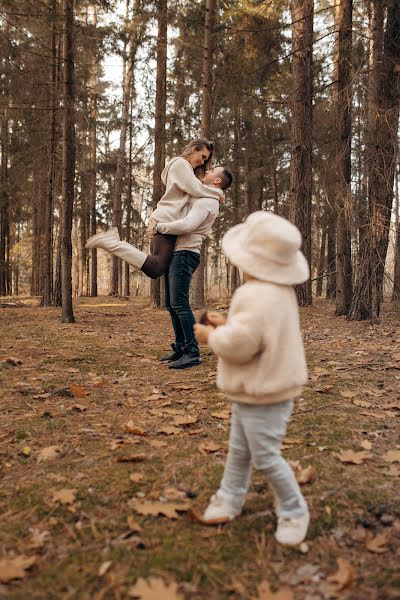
260,348
182,185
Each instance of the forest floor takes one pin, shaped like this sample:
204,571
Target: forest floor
104,453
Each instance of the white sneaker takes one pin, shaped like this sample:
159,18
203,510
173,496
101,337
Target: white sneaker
93,241
219,510
291,532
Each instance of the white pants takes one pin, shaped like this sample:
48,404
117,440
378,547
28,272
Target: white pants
255,441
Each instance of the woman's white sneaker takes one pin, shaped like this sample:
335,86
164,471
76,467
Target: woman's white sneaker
95,240
291,532
220,510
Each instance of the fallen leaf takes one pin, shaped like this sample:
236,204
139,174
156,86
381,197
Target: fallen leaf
195,516
305,475
49,453
104,568
324,390
210,447
132,458
355,458
168,509
116,444
133,525
136,477
264,593
100,383
344,576
348,394
158,444
154,589
78,408
377,544
14,568
11,361
169,430
392,456
185,420
38,538
362,403
130,427
65,496
366,444
78,391
26,451
222,414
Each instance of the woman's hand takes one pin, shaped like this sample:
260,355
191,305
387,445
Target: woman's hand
150,232
201,332
215,319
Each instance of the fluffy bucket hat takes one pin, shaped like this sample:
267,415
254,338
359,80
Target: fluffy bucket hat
267,247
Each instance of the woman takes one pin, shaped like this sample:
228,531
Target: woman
181,177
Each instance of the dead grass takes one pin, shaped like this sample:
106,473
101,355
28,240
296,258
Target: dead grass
110,353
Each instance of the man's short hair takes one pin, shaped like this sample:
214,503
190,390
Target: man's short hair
226,178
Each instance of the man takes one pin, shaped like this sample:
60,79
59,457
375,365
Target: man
191,232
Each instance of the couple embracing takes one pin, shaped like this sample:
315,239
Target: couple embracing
177,228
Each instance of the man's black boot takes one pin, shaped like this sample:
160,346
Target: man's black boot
172,356
186,362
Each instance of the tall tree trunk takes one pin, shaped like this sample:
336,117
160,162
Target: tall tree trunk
396,275
343,158
301,176
369,289
199,280
93,163
159,126
68,163
128,209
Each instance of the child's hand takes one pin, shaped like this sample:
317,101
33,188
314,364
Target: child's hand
215,319
201,332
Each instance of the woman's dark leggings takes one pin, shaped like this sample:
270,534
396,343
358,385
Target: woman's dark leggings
161,249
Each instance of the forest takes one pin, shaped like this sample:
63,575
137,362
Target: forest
105,458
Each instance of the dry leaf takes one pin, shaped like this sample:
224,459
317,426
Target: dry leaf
133,525
49,453
222,414
78,407
65,496
392,456
171,430
158,444
194,516
377,544
348,394
14,568
154,589
11,361
130,427
104,568
100,383
362,403
132,458
136,477
324,390
355,458
185,420
168,509
366,444
116,444
306,475
344,576
210,447
265,593
78,391
38,538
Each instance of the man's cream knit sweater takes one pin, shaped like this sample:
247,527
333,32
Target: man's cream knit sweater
182,185
260,347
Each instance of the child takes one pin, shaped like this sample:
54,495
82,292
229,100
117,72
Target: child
261,367
180,176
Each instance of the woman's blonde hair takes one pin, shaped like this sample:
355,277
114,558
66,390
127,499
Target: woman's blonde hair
196,145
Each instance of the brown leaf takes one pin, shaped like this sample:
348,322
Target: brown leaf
168,509
78,407
222,414
14,568
194,516
355,458
136,477
154,589
104,568
64,496
38,538
78,391
11,361
344,576
326,389
362,403
115,444
158,444
130,427
210,446
49,453
133,525
366,444
100,383
264,593
392,456
377,545
169,430
306,475
185,420
348,394
132,458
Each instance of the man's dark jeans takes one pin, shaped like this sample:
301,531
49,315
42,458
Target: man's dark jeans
177,283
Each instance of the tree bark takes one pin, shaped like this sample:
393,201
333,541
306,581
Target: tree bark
68,163
301,154
343,158
159,127
396,275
